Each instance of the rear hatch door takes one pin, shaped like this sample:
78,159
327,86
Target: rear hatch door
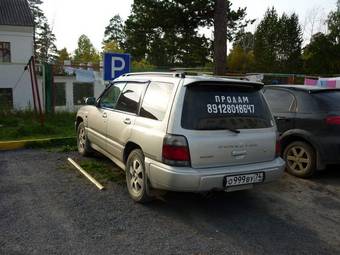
227,124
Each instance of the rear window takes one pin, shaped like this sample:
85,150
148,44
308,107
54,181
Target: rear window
211,107
328,101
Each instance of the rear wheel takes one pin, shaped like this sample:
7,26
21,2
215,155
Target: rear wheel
300,159
83,142
136,179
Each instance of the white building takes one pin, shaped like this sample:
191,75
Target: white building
16,48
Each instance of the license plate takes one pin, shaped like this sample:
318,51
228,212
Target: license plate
243,179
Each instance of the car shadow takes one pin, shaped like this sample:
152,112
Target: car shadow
244,218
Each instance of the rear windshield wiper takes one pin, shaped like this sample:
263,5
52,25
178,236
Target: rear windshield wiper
236,131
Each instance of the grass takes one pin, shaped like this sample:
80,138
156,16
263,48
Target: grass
103,171
24,125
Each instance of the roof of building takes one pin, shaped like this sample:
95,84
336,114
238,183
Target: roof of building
15,13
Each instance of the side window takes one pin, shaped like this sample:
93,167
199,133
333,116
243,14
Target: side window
279,100
110,97
129,98
156,100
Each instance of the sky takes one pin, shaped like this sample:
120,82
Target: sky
71,18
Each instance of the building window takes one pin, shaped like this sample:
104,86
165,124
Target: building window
5,52
60,92
81,91
6,99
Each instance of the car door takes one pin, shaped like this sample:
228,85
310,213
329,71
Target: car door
122,118
98,117
282,104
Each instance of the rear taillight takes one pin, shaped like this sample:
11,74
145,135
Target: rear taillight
176,151
278,148
333,120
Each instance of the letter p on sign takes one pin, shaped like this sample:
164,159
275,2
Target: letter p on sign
115,65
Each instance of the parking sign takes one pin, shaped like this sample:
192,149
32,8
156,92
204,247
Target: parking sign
116,64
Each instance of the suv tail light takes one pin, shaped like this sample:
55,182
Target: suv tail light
333,120
176,151
278,148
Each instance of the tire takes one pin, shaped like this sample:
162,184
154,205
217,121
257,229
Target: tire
300,159
136,179
83,143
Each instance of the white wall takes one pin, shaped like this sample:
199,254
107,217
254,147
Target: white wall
98,87
21,40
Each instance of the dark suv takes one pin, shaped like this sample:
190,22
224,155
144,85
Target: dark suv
308,120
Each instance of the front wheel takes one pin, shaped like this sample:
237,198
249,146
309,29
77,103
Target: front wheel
83,142
136,179
300,159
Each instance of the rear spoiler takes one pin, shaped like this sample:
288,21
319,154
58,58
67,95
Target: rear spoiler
236,83
323,91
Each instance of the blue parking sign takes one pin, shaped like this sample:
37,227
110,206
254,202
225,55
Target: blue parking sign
116,64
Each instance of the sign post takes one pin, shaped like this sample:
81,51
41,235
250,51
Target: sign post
115,65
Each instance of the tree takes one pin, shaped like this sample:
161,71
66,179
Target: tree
319,55
244,40
46,51
44,39
240,60
115,32
62,56
289,44
266,42
111,46
167,33
220,37
86,53
333,23
277,43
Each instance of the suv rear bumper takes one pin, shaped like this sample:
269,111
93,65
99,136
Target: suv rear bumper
171,178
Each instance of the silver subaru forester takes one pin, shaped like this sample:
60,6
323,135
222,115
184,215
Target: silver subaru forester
172,131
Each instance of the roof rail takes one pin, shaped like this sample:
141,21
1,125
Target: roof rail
168,74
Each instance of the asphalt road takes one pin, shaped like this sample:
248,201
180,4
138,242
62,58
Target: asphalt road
45,209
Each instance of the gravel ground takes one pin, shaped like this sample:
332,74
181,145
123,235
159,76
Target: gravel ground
48,209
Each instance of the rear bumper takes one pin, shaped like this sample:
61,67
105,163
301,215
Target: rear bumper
171,178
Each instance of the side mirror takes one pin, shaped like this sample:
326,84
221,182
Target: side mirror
90,101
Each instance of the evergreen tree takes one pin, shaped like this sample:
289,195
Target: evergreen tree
46,51
115,32
333,23
266,42
44,39
277,43
289,42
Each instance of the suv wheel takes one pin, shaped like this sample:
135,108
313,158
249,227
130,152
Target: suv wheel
83,142
300,159
136,179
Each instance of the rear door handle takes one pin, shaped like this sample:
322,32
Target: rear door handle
127,121
104,115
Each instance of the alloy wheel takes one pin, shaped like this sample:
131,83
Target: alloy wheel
298,159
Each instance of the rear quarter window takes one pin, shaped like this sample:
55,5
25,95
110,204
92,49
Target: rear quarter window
218,107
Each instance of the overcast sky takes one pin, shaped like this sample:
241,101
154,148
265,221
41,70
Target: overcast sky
71,18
